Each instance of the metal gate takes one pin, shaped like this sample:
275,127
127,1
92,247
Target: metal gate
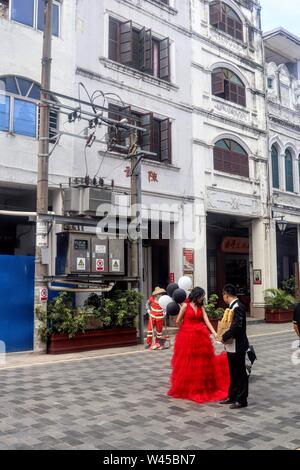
17,302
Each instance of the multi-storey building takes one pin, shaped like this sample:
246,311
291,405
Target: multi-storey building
140,50
229,148
282,54
191,73
21,36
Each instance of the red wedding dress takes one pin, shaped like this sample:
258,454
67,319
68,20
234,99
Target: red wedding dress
198,374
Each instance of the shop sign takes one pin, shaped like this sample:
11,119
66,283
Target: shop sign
235,245
171,278
188,259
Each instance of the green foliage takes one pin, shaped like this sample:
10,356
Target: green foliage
289,286
279,299
116,309
214,312
120,309
62,317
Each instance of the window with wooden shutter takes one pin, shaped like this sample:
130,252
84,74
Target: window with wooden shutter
126,43
118,135
113,47
275,172
215,13
289,174
227,85
147,136
217,82
164,65
145,50
225,19
165,140
230,157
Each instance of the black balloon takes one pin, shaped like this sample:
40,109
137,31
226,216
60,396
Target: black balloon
171,288
179,296
173,309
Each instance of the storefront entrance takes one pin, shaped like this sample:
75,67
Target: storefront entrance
228,255
287,254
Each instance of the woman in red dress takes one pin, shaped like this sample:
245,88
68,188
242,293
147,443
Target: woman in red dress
198,374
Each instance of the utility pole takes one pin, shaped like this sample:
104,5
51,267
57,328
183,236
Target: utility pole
40,291
136,214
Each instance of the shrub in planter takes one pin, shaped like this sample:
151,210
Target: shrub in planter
279,306
214,312
69,329
62,317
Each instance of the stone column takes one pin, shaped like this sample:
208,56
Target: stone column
281,168
264,258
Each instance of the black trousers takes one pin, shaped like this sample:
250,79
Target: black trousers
238,389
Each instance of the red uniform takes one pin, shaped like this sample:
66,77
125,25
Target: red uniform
156,320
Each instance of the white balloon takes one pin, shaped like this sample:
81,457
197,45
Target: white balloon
164,301
185,283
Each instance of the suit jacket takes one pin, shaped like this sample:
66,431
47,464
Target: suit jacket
238,328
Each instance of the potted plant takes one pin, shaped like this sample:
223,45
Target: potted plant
103,322
278,306
214,312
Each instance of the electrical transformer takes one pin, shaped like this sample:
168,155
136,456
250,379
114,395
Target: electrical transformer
79,253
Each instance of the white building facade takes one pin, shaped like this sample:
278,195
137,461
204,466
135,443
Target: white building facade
141,52
230,149
282,53
192,73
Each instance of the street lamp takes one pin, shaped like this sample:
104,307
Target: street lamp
282,225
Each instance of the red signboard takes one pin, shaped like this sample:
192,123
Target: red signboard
171,278
188,259
235,245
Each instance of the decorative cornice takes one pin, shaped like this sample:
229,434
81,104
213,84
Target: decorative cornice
227,120
158,17
240,57
101,78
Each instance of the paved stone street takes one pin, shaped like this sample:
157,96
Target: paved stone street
117,401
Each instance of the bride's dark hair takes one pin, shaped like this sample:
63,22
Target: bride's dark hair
196,293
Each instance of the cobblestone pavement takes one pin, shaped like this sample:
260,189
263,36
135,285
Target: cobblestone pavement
119,402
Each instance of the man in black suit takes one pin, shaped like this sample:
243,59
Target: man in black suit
296,320
236,350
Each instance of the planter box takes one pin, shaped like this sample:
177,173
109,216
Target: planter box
89,340
278,316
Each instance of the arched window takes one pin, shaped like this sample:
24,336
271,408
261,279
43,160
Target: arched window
230,157
289,174
275,171
18,107
225,19
227,85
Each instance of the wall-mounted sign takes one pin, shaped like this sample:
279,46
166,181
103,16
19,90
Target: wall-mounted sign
44,294
188,259
171,278
235,245
257,277
152,177
100,265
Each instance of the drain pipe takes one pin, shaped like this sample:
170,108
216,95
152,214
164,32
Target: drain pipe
78,289
18,213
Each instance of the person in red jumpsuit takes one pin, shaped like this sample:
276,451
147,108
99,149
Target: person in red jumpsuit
156,320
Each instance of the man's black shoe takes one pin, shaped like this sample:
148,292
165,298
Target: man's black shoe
228,401
237,406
